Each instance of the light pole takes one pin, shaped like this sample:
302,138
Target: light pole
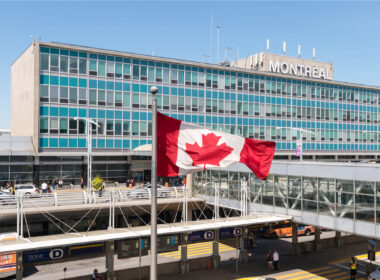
153,209
301,132
89,148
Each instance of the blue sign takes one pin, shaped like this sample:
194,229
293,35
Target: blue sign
225,233
43,255
199,236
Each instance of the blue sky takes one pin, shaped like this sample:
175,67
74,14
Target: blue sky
345,33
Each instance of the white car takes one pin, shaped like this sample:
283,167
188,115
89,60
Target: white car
25,189
375,275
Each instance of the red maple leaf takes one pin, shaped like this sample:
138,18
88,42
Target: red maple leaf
209,153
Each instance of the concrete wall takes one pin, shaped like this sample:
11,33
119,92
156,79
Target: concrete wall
163,269
24,96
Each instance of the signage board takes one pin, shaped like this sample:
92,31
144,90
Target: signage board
200,236
167,243
87,249
225,233
131,248
44,255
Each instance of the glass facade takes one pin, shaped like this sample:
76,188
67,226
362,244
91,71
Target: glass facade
114,92
358,200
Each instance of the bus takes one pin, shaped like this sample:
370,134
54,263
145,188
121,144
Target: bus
8,259
285,230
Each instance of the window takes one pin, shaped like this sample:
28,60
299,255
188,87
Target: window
127,71
110,69
181,78
44,61
118,99
117,127
82,126
135,100
64,64
101,127
82,96
135,128
136,72
73,96
63,126
101,68
44,93
73,65
93,68
126,99
151,74
53,94
73,126
64,95
109,127
166,75
44,125
118,70
173,77
144,74
126,128
143,128
109,98
101,97
158,74
53,125
143,100
92,96
82,66
54,63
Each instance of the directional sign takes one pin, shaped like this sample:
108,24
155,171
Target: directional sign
225,233
200,236
44,255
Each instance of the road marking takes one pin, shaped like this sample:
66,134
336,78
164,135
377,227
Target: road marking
308,274
347,268
330,275
357,257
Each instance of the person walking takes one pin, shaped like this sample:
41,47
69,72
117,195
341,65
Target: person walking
250,237
81,182
103,186
60,184
270,260
353,268
12,190
44,187
276,260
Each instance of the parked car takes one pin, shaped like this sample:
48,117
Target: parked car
6,198
143,192
161,190
25,189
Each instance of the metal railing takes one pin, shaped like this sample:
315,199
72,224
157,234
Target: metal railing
82,197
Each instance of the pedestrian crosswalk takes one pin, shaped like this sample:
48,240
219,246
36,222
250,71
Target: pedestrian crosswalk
320,273
199,249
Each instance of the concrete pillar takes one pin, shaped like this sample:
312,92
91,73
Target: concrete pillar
317,239
243,252
189,185
110,251
189,213
295,246
215,250
184,266
338,239
19,267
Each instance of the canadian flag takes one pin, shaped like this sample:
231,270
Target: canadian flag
184,148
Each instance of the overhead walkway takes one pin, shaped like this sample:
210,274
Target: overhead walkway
338,196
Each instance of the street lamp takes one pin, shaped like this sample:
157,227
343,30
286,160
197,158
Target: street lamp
153,209
89,148
301,132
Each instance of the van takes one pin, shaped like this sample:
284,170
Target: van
8,259
285,230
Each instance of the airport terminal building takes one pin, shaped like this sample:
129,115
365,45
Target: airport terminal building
265,96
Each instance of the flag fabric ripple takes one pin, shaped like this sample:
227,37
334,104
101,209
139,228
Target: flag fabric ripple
183,148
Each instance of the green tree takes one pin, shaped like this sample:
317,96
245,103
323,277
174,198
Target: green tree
97,182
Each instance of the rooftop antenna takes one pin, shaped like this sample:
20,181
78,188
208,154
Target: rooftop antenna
284,47
267,45
226,53
313,53
217,43
211,24
299,50
204,57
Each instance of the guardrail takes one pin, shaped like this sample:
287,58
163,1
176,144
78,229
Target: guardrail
83,197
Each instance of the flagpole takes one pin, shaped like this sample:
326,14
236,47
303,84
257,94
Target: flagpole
153,211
